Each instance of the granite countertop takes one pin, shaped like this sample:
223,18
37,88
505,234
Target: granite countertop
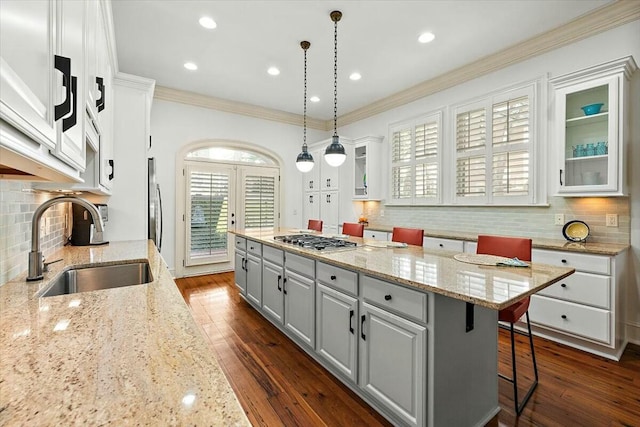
124,356
610,249
430,270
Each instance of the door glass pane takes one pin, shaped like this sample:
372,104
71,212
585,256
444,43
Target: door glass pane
209,198
586,137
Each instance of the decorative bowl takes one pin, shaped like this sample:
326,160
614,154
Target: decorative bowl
576,231
592,109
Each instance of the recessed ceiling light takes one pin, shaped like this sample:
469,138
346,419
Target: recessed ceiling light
355,76
273,71
426,37
314,99
190,66
208,23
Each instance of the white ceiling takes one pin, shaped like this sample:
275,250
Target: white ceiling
376,38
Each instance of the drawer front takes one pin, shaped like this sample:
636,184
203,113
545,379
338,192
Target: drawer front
338,278
241,243
300,265
274,255
404,301
254,247
589,322
582,288
581,262
446,244
376,235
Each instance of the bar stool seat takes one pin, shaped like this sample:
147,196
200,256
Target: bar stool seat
353,229
314,224
410,236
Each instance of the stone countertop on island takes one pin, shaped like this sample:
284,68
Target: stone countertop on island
610,249
430,270
124,356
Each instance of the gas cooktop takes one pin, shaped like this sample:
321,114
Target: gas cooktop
318,243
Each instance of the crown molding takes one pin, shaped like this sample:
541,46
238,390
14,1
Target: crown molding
198,100
134,82
605,18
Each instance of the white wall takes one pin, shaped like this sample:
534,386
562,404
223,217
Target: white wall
633,286
175,125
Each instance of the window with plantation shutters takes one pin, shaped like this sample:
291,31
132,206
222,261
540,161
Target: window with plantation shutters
208,195
494,149
415,160
259,201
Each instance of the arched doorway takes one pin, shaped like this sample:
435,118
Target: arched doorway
222,186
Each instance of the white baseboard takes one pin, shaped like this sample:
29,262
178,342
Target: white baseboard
633,332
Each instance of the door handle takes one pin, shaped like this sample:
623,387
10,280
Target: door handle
63,64
328,182
69,122
279,278
311,184
100,101
284,287
351,314
310,199
362,319
112,170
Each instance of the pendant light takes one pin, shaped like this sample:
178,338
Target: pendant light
335,155
304,162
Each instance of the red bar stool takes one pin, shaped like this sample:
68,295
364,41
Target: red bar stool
353,229
410,236
315,224
513,247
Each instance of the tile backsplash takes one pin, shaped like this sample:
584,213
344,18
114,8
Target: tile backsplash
17,204
535,222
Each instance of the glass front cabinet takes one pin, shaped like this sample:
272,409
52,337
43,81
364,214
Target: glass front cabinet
591,129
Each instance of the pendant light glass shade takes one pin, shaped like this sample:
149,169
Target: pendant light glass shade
335,155
304,162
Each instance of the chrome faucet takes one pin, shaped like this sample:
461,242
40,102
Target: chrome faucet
36,260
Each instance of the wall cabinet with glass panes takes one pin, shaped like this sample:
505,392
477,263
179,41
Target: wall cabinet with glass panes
590,130
367,164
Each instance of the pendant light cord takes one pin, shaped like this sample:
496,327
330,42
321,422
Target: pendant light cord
335,77
304,138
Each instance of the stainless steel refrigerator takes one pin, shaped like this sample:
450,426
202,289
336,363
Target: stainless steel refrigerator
155,206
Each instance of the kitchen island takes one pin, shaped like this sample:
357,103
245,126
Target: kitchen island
125,356
412,331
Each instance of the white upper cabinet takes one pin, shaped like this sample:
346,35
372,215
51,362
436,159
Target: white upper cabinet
367,168
590,129
26,68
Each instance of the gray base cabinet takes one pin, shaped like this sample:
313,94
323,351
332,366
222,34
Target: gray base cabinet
336,330
239,264
393,362
298,306
253,266
272,296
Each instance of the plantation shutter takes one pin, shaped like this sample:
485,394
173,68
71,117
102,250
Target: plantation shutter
426,155
400,170
470,153
259,201
208,215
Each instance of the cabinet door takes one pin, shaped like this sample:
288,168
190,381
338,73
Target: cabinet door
329,176
253,265
70,146
329,211
272,296
240,272
393,363
336,329
299,307
311,207
26,67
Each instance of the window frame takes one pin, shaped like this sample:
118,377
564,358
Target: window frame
411,124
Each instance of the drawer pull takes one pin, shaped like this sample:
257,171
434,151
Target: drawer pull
564,316
387,297
333,277
351,314
564,261
564,285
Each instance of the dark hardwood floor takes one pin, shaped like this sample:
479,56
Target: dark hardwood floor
278,384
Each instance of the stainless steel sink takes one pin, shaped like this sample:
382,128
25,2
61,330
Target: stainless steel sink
96,278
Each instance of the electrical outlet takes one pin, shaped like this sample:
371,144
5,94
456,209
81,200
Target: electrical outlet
559,219
612,220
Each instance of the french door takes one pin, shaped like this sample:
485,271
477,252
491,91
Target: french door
221,197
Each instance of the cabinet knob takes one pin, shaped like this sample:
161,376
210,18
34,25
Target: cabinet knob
333,277
564,261
387,297
441,245
564,285
564,316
